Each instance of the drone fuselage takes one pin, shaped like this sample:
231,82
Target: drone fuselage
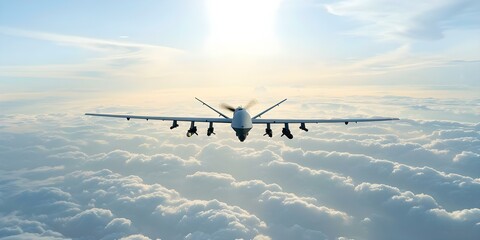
241,123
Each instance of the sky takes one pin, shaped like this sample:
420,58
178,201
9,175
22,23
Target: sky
64,175
115,45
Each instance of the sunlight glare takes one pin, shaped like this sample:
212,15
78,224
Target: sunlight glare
242,26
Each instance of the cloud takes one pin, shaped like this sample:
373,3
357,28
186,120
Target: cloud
135,237
407,19
62,174
469,162
15,227
85,42
452,190
113,56
158,211
99,222
406,207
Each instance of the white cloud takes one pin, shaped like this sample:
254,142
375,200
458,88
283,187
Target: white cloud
405,179
469,162
84,42
135,237
15,227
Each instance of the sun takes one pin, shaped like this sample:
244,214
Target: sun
242,26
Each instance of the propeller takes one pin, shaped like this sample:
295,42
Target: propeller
252,103
228,107
232,109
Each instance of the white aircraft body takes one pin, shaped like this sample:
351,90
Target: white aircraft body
241,121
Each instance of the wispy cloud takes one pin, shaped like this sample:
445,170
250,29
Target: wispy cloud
127,62
115,59
408,19
85,42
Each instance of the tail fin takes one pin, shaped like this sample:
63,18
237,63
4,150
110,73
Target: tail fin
221,114
270,108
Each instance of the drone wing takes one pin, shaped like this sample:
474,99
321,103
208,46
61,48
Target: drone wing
338,120
180,119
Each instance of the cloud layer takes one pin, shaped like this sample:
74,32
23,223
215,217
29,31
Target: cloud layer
67,177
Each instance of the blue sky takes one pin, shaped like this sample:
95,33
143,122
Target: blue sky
64,175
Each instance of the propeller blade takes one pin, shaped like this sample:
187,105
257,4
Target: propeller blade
227,107
252,103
